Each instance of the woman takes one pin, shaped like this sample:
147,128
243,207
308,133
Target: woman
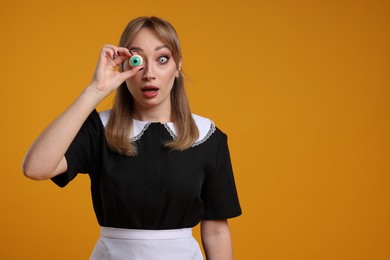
156,170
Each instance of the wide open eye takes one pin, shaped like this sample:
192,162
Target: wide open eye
163,59
136,60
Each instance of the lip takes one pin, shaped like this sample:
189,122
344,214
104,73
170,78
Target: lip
149,91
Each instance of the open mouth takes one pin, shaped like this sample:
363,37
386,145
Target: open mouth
150,91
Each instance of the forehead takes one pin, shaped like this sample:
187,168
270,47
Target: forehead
146,39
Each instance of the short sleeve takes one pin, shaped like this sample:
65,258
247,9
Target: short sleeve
219,194
81,155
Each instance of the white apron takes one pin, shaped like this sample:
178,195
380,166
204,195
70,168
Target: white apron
134,244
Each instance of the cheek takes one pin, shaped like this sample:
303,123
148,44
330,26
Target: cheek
169,75
132,82
169,80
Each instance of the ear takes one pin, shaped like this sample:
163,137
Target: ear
180,63
179,68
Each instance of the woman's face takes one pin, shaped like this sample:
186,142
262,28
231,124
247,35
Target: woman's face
151,87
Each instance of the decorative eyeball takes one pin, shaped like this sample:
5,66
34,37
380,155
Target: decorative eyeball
136,60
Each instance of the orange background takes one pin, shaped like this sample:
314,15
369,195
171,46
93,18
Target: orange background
300,87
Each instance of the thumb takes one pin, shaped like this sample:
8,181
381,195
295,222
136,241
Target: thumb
131,72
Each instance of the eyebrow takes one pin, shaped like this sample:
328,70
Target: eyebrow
141,50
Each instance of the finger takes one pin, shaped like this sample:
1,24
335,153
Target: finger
120,59
122,55
112,51
107,54
123,52
131,72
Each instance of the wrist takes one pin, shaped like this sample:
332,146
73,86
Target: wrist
92,95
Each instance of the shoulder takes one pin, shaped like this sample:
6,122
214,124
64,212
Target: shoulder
92,122
207,129
104,116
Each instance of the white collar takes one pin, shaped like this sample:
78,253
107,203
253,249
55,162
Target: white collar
206,127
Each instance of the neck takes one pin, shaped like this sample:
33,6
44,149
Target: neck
152,114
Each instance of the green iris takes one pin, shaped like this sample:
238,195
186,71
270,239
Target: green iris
135,60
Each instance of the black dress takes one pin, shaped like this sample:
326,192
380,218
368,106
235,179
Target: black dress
158,188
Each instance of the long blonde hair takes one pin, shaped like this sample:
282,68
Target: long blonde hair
120,123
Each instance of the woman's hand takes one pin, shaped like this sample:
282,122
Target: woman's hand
107,77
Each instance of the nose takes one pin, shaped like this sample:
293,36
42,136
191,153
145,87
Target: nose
148,74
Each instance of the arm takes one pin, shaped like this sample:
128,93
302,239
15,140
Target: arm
45,158
216,240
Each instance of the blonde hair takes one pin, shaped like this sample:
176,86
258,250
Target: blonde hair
120,123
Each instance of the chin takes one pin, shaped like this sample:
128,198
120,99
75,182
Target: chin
150,103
